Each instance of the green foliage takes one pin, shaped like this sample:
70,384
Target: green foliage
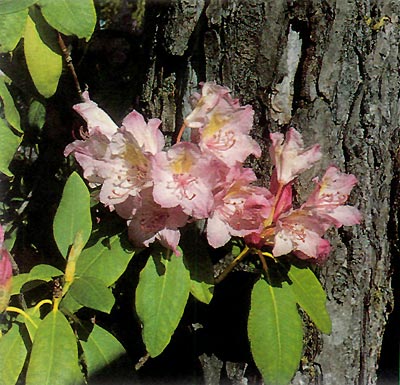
12,6
92,292
42,54
37,114
73,214
70,17
161,296
100,349
12,27
10,112
275,332
310,296
107,259
9,143
54,356
13,354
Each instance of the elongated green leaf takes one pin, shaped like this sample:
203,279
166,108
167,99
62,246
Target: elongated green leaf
40,272
11,29
11,6
13,354
10,112
101,349
311,297
9,143
37,114
71,17
93,293
73,214
161,296
275,332
42,55
107,259
32,323
54,356
69,304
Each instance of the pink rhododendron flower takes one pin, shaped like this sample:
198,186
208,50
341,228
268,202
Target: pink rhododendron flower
149,221
220,125
289,157
5,273
329,197
119,159
300,233
183,176
240,208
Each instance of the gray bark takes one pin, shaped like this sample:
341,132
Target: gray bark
328,68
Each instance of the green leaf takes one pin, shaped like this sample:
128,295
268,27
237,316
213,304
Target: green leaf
9,143
93,293
107,259
275,332
161,296
100,349
73,214
32,323
70,17
201,269
13,354
69,304
54,356
12,27
40,272
10,112
311,297
12,6
42,54
37,114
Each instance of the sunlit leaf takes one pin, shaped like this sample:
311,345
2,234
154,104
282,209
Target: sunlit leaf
73,214
9,143
275,332
92,292
42,55
107,259
70,17
12,27
10,112
161,296
13,354
100,349
54,356
12,6
311,297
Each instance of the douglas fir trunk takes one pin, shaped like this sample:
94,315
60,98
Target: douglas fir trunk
331,69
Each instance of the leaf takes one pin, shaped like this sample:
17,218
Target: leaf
54,356
40,272
70,17
201,269
73,214
13,354
311,297
92,292
42,55
10,112
12,27
275,332
69,304
12,6
107,259
9,143
101,349
37,114
32,323
161,296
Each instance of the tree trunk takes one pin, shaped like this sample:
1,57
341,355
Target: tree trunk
331,69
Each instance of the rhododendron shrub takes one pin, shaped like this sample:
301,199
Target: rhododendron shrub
160,191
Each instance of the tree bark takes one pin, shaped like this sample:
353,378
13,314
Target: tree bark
329,68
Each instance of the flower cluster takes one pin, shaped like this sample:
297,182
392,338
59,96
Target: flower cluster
159,190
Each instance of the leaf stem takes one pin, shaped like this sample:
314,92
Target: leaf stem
41,303
24,314
180,133
232,265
